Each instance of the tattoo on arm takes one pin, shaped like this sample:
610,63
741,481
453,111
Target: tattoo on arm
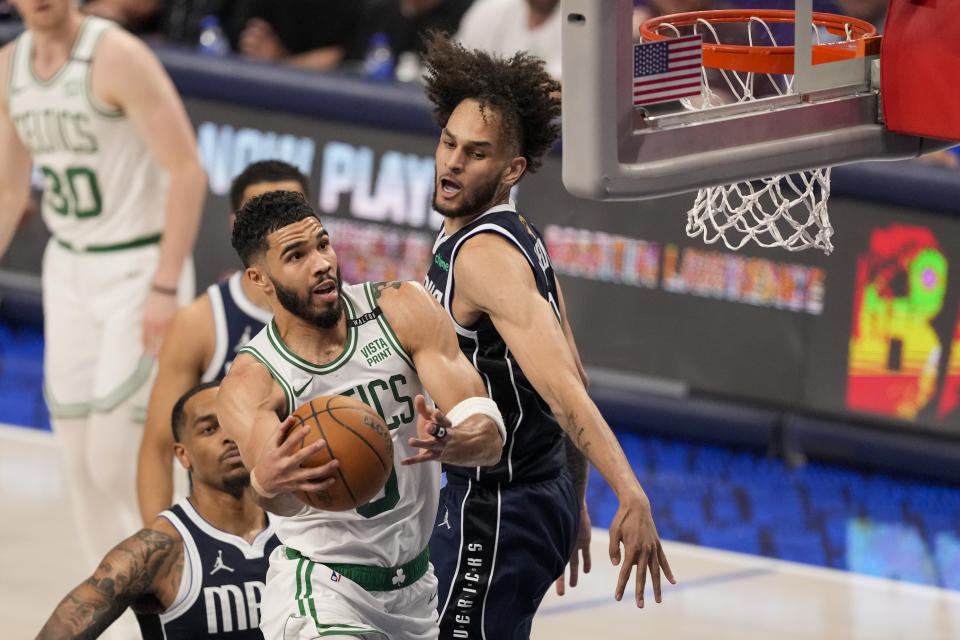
125,574
380,287
577,466
576,433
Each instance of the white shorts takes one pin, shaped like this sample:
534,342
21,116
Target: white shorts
93,313
304,600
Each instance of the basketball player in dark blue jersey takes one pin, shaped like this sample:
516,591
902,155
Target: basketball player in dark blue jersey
505,533
202,341
198,569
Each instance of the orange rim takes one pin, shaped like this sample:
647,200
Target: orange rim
766,59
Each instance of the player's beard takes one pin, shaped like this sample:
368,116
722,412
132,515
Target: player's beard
473,203
300,305
236,485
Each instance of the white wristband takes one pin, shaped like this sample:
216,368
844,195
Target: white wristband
256,487
482,406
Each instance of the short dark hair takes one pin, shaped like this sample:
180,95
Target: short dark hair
518,88
178,416
265,171
263,215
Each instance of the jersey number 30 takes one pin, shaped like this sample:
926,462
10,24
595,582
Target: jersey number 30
76,192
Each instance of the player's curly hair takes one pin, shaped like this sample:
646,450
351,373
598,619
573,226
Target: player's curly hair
518,88
263,215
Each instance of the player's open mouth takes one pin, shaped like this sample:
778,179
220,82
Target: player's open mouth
449,187
326,289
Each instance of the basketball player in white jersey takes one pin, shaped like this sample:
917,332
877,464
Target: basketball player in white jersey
365,572
92,109
195,571
202,341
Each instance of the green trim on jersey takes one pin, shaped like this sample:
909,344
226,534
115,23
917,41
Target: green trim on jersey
70,410
370,578
387,330
318,369
287,390
107,248
11,70
98,107
63,67
123,391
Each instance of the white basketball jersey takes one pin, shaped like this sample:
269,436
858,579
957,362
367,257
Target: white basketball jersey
374,368
102,186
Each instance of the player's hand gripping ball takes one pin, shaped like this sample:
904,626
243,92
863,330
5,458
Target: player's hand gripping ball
356,436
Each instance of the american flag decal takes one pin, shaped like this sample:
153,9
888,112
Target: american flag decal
667,70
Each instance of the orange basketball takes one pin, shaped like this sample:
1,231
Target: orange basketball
356,436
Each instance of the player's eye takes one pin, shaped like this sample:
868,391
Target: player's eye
478,156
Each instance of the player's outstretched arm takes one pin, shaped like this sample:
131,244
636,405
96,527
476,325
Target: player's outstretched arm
577,466
494,278
249,406
147,565
183,357
127,75
15,164
470,437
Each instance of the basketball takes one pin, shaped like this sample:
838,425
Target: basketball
357,436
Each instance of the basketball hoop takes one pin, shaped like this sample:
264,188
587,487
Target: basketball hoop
788,210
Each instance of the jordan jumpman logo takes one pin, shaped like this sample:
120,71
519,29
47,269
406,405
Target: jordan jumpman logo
218,565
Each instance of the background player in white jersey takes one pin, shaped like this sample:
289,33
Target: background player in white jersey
202,341
364,571
195,571
91,106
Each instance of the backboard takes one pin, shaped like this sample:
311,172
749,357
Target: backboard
612,151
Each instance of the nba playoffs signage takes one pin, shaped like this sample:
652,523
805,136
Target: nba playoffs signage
862,332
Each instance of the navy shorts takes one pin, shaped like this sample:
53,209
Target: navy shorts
496,550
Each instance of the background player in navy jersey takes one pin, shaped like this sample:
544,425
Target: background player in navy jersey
504,533
198,569
202,341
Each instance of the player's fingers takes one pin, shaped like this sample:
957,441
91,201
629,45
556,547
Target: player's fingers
664,564
422,443
641,582
297,457
423,456
311,487
317,473
586,559
654,564
285,426
574,568
560,586
420,404
614,546
622,578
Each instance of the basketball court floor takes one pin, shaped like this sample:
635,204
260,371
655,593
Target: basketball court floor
719,595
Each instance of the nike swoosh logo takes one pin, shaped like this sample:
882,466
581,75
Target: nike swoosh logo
297,392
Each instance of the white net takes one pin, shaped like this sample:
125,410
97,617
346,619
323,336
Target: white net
788,211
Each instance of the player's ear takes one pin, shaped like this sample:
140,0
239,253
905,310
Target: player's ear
514,170
181,453
259,278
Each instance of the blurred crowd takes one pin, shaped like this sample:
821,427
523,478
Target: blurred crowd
383,38
354,34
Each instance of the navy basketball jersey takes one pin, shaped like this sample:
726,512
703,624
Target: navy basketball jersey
222,584
533,449
236,320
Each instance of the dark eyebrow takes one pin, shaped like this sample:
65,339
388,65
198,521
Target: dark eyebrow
299,243
469,143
